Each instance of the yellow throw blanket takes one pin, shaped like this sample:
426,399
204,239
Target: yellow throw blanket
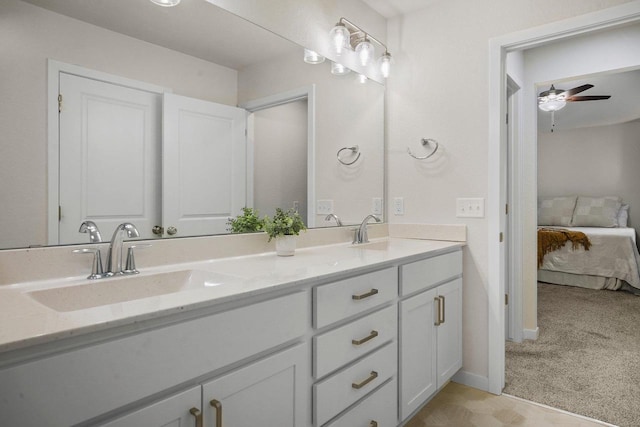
552,239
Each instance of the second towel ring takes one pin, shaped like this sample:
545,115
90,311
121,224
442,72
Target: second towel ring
425,142
354,150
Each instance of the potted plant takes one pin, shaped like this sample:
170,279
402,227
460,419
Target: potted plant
248,222
283,227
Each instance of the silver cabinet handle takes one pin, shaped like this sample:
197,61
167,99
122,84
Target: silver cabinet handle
157,230
172,230
442,302
371,293
370,378
371,336
437,301
373,423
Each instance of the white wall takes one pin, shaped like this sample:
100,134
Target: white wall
28,36
280,132
439,89
594,161
616,49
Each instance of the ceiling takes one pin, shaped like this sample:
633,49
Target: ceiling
196,28
391,8
622,107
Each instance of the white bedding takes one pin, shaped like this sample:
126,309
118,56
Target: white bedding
613,257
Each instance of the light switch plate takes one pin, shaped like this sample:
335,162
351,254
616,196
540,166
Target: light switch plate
324,207
398,206
470,208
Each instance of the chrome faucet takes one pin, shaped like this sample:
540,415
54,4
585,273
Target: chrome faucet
114,258
334,216
91,228
361,235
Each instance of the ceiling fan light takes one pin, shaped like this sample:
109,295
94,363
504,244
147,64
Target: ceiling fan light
166,3
312,57
549,104
340,38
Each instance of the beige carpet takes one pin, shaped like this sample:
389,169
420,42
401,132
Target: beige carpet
587,357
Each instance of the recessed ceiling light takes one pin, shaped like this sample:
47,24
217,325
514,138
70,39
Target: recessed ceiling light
166,3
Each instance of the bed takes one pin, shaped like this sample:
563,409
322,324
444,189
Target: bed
611,262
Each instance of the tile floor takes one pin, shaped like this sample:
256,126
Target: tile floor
461,406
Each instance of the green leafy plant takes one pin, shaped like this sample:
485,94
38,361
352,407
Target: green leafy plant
248,222
284,223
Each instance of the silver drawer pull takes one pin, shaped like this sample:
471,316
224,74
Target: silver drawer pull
371,336
438,311
371,377
371,293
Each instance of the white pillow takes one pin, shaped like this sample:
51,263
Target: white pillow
623,215
596,211
556,210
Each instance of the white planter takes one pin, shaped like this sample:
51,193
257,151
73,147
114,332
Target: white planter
285,245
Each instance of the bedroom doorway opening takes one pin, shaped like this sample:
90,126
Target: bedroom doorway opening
521,257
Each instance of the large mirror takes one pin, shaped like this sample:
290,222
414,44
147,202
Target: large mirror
173,119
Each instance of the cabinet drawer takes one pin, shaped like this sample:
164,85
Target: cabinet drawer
337,347
124,370
339,300
421,275
338,392
380,408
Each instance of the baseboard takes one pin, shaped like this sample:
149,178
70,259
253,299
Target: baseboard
530,334
471,380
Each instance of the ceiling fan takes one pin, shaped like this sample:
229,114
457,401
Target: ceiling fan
554,99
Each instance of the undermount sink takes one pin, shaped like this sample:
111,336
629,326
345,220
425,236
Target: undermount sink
378,246
119,289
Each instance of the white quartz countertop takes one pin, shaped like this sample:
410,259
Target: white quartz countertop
42,312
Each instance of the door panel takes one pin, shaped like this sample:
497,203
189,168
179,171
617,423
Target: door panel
449,332
204,163
109,157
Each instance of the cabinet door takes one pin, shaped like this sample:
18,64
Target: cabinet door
450,331
174,411
270,392
417,351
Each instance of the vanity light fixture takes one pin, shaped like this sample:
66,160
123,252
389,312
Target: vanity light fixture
166,3
312,57
362,78
348,36
337,69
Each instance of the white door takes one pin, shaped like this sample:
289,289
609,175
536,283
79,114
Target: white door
449,332
417,351
270,392
109,157
176,411
204,164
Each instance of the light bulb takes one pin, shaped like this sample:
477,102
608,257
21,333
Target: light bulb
550,104
340,38
338,69
166,3
385,64
362,78
364,49
312,57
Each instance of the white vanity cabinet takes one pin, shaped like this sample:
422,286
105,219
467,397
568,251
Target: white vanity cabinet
430,336
353,359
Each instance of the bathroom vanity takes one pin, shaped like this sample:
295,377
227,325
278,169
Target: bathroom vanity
338,335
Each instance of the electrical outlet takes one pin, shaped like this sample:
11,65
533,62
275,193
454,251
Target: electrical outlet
376,206
470,208
296,205
398,206
324,207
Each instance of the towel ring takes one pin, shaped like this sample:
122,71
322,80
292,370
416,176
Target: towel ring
353,150
425,142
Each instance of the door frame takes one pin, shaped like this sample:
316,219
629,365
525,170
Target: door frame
54,68
304,92
498,48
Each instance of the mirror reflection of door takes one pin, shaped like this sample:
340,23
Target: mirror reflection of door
280,158
109,157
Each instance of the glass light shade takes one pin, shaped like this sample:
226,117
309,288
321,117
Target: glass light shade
311,57
340,38
385,64
338,69
166,3
362,78
364,50
552,104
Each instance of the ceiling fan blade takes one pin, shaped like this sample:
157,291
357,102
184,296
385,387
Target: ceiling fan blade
578,89
588,98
